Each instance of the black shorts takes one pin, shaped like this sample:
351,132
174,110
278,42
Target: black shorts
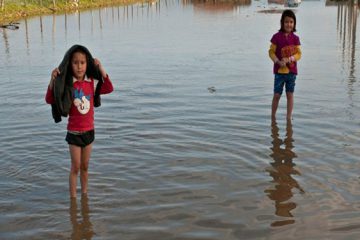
80,139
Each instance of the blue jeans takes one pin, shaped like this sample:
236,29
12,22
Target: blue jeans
284,79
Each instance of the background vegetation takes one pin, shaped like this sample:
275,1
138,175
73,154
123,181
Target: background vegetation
12,10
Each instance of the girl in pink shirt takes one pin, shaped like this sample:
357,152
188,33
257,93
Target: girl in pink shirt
80,134
285,52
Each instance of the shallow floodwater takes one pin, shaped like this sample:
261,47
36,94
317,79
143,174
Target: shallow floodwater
185,148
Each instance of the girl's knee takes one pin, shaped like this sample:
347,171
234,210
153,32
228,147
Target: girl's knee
277,96
75,170
84,167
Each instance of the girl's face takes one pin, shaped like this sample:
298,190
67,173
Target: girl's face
288,24
78,65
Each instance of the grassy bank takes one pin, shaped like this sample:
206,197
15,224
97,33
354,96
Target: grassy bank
14,10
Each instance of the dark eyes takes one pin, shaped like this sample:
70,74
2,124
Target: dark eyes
79,62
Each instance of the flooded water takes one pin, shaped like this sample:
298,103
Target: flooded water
184,146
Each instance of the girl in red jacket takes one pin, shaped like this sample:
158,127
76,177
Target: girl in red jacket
80,128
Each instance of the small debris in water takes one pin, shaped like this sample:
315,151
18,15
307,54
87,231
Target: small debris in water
212,89
11,26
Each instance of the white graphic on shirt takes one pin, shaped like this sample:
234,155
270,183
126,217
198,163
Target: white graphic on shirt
81,101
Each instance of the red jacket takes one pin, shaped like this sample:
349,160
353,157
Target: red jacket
81,115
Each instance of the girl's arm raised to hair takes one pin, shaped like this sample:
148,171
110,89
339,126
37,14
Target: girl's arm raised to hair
49,98
107,86
54,74
102,70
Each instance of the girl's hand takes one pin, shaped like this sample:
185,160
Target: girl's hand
54,74
286,60
281,63
102,70
97,62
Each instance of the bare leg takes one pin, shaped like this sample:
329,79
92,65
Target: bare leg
85,157
75,154
274,106
290,105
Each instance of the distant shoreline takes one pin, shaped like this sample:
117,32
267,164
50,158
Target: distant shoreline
17,10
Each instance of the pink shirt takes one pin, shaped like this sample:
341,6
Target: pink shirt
285,47
81,115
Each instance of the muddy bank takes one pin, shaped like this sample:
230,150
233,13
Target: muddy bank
17,11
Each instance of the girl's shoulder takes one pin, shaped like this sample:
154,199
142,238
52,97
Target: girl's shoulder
276,36
295,35
296,39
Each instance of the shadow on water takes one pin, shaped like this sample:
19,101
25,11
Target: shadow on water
81,227
281,170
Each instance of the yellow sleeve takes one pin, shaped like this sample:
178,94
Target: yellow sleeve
297,56
273,57
272,51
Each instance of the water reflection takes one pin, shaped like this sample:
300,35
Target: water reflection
27,36
281,170
216,5
41,26
128,13
79,20
53,30
347,15
81,227
6,42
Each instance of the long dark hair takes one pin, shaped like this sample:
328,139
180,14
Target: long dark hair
290,14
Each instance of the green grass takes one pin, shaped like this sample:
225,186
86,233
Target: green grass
17,9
